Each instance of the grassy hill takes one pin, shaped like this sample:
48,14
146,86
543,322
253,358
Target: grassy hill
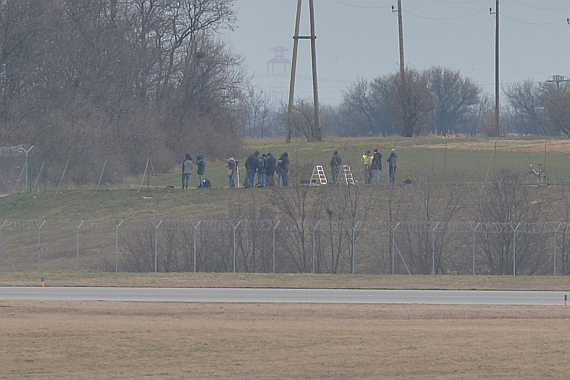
139,201
446,160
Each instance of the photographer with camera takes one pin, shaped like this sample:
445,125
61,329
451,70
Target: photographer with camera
232,166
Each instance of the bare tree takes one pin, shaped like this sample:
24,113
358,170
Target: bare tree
364,111
410,103
299,207
556,101
432,206
505,204
85,79
455,99
526,104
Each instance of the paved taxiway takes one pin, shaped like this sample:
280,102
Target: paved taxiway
450,297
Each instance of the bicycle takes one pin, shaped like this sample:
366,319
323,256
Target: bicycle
536,175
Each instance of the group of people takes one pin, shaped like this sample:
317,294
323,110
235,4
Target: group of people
265,166
372,165
188,166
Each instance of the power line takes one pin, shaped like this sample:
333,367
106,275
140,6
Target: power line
541,8
460,2
360,6
446,18
531,23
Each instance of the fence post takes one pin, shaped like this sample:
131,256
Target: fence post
353,244
77,227
144,175
100,177
195,226
314,243
392,241
394,245
274,229
117,244
1,242
473,242
156,226
433,247
235,227
515,246
39,241
61,179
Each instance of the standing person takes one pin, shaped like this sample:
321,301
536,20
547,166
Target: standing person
232,169
251,167
186,170
392,161
201,163
377,164
261,170
271,167
367,161
283,168
336,161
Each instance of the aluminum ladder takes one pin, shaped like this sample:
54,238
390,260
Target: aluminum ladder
348,175
318,177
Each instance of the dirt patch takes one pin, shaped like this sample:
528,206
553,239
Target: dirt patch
94,340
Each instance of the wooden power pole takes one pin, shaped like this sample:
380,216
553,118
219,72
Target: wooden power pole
317,127
497,85
403,91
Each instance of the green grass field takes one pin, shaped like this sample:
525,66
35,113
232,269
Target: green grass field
449,160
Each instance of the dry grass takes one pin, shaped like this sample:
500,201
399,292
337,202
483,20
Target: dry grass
320,281
503,145
95,340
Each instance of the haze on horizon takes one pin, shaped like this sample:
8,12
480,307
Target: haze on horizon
359,39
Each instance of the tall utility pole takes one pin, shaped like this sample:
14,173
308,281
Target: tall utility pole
401,39
497,104
296,38
403,99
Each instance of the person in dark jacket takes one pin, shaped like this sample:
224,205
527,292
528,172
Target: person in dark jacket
201,163
271,167
283,168
251,168
377,164
392,162
336,161
261,170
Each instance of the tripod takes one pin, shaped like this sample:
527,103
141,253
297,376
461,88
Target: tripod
237,175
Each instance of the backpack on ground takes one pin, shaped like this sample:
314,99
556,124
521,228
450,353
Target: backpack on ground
207,183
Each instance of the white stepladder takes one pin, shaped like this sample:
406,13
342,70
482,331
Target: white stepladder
318,177
348,175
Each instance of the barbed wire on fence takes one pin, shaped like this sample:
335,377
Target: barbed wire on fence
287,225
242,244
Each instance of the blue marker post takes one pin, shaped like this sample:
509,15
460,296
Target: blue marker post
43,282
566,299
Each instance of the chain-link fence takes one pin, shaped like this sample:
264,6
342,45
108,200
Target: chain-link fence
285,246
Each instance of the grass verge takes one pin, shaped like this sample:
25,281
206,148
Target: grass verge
318,281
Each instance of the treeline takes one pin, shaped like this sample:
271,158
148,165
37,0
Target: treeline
438,100
88,80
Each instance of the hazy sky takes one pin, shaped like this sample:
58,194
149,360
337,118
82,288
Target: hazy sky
359,39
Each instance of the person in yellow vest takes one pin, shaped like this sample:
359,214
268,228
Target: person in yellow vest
367,161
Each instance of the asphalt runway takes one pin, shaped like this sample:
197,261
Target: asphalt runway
246,295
